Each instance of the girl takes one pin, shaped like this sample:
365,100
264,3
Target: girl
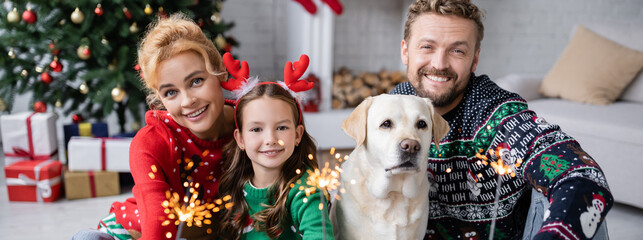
183,139
268,165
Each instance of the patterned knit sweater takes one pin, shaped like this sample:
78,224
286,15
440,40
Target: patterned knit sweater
464,183
159,161
305,220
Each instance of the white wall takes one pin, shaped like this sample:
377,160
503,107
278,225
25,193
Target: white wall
524,36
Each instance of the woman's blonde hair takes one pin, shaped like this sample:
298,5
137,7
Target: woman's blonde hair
238,171
167,37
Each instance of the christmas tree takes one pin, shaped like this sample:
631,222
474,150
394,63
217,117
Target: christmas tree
80,56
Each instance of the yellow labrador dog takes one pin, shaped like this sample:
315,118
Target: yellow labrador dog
385,178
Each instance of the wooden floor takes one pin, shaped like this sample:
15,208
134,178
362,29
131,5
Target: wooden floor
63,218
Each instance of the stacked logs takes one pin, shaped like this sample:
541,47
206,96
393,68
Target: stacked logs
349,90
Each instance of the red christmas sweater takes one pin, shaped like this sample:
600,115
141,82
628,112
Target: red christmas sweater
158,161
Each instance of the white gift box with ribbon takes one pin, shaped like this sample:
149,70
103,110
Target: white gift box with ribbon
28,135
99,154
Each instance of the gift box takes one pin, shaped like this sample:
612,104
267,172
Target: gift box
34,180
84,129
99,154
90,184
29,136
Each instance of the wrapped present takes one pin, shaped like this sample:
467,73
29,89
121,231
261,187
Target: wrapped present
34,180
90,184
99,154
29,135
85,130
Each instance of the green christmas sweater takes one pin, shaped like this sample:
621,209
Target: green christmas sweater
305,220
464,183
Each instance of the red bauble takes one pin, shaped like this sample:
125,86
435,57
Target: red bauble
40,106
29,16
228,47
53,49
127,13
46,78
137,67
86,51
98,10
56,66
77,118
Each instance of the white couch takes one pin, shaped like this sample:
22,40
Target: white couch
611,134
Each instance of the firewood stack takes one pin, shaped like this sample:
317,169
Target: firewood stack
349,90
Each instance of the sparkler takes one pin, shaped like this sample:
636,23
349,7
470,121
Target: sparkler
190,210
502,169
326,179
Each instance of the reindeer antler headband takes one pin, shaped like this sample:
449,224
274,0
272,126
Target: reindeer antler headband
240,84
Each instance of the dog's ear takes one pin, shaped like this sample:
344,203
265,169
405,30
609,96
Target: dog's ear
355,124
439,125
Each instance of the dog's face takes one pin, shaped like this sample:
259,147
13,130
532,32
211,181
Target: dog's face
397,131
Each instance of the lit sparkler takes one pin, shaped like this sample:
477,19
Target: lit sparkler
326,179
190,210
501,169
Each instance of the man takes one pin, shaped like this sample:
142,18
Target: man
497,150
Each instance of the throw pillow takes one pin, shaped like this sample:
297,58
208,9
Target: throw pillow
592,69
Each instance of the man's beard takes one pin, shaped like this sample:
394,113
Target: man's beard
438,100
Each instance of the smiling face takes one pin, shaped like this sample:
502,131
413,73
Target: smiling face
190,94
440,54
268,134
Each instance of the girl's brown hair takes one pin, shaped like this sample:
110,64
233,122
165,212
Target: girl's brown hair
238,171
167,37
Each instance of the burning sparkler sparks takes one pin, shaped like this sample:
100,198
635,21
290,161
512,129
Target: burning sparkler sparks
501,168
326,179
190,209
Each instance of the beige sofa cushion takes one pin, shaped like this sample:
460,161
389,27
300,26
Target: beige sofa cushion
592,69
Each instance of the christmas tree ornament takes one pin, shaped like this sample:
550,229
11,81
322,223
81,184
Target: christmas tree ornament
216,18
38,69
98,10
55,65
136,125
220,41
219,5
162,12
40,107
77,118
46,78
13,16
24,73
127,13
11,54
138,69
104,41
148,9
112,66
59,104
29,16
77,16
118,94
200,22
133,28
52,47
83,52
84,89
62,22
3,105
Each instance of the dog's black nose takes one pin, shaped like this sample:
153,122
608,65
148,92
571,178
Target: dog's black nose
410,146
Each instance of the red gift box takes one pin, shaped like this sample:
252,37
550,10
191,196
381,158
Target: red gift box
34,181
